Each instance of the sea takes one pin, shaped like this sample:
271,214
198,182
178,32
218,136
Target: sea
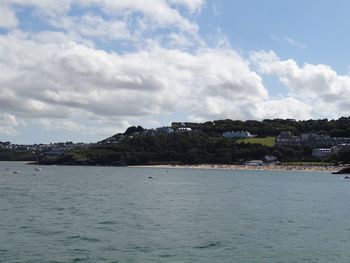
120,214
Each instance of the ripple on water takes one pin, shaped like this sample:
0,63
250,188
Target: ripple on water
57,209
142,249
3,251
208,245
75,214
85,238
107,223
80,259
166,255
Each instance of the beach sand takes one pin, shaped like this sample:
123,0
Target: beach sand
272,167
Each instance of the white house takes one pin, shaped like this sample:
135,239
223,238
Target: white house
322,152
255,163
238,134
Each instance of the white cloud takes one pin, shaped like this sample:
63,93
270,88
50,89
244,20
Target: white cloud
131,21
41,79
61,125
89,127
191,5
9,124
284,107
294,42
216,9
158,11
94,27
62,80
288,40
7,17
316,85
179,40
67,81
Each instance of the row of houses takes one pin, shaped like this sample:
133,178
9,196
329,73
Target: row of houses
323,145
313,140
166,131
51,149
327,152
149,132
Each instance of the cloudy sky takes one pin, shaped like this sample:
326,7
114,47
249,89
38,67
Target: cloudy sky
83,70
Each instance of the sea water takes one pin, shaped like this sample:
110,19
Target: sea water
111,214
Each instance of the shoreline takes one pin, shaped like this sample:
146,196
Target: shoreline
22,162
300,168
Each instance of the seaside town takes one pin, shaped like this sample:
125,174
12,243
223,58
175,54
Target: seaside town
192,131
321,145
51,149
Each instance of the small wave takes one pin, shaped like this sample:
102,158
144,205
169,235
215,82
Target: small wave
80,250
46,232
57,208
107,223
72,237
208,245
142,249
165,256
79,260
305,227
89,239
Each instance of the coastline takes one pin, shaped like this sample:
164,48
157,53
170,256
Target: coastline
22,162
301,168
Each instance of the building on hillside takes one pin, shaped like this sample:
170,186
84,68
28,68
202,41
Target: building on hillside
254,163
238,134
322,152
286,138
5,145
110,140
183,130
322,141
159,131
342,147
52,150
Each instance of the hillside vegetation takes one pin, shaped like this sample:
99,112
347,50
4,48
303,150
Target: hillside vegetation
205,144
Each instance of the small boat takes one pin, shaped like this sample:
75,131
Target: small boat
16,172
37,169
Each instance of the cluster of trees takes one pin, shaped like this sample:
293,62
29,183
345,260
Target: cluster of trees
17,155
267,127
176,148
206,144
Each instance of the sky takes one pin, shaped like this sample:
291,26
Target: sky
83,70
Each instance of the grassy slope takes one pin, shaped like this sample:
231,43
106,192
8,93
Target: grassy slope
267,141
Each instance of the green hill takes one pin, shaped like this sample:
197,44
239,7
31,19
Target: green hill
267,141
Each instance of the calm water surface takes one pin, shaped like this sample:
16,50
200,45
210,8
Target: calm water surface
89,214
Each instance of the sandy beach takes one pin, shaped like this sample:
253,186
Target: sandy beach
279,167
